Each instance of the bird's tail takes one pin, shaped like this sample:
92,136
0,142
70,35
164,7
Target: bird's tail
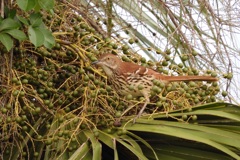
188,78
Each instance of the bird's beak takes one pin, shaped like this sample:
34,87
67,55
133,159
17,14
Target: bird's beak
95,62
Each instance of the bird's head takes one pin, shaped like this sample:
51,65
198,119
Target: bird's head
108,62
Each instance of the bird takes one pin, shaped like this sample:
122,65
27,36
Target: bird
122,75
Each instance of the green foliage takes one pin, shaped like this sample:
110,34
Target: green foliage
56,105
217,127
27,5
38,34
9,29
6,41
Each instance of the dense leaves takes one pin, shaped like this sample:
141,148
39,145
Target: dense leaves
56,105
10,29
27,5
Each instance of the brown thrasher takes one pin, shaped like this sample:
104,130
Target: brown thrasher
124,74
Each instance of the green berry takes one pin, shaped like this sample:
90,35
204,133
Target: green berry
118,114
14,80
131,41
214,74
4,90
224,93
15,93
194,117
47,102
184,117
140,87
229,76
129,97
159,104
164,63
25,81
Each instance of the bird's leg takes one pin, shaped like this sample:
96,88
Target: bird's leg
147,100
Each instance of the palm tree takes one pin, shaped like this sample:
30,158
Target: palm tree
56,105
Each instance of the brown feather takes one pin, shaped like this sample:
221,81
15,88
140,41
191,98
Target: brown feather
128,67
124,74
132,68
188,78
